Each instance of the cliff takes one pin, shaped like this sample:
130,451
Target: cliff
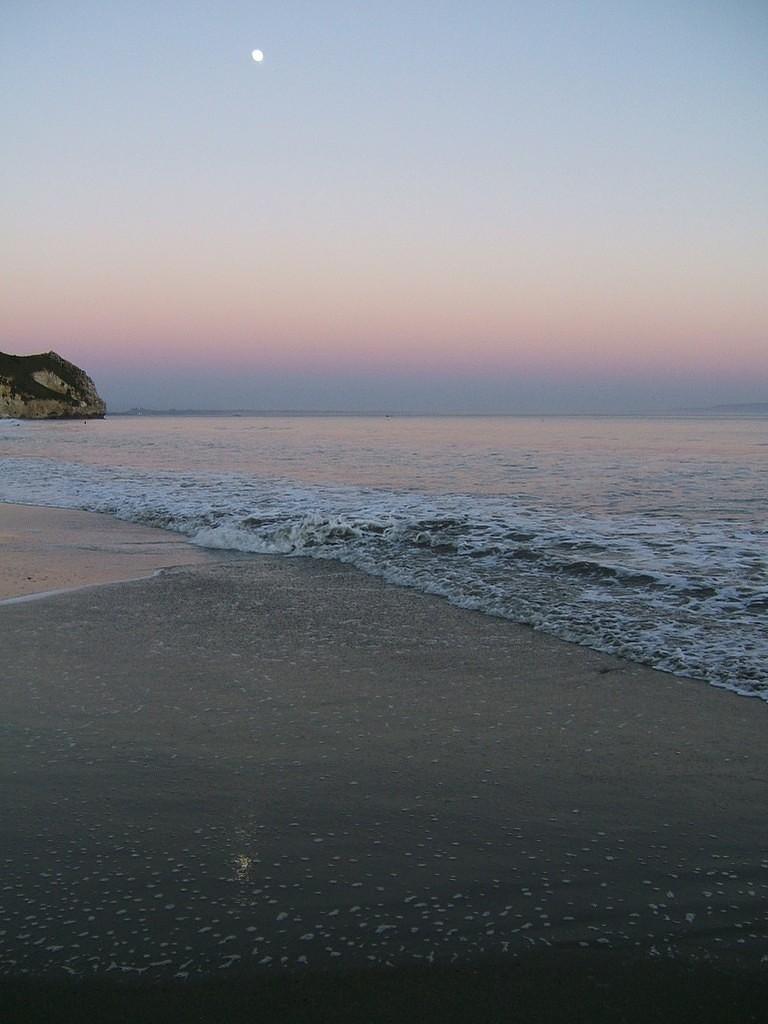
46,386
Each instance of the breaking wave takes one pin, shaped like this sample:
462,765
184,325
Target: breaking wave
688,598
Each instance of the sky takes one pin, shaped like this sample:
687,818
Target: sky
520,206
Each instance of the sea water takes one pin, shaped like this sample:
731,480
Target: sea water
642,537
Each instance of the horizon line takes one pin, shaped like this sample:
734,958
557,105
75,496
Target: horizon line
725,409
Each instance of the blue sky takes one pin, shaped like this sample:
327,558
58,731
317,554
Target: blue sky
406,205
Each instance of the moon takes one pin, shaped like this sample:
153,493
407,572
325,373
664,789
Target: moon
257,55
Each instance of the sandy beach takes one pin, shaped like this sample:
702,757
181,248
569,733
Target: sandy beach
282,780
46,550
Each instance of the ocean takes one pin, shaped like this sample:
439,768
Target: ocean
641,537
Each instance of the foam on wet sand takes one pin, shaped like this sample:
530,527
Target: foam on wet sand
271,766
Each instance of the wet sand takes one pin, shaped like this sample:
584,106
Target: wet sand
46,549
330,792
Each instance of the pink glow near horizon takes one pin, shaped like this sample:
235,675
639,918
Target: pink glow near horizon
480,329
565,196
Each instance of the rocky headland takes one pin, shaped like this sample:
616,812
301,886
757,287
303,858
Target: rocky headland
45,386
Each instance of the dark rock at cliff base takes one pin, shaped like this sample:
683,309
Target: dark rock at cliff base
46,386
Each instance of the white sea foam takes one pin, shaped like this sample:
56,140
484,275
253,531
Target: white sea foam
682,596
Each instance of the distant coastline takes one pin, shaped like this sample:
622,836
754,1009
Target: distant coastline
748,409
738,409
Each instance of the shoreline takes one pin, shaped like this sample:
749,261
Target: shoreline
50,550
271,768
